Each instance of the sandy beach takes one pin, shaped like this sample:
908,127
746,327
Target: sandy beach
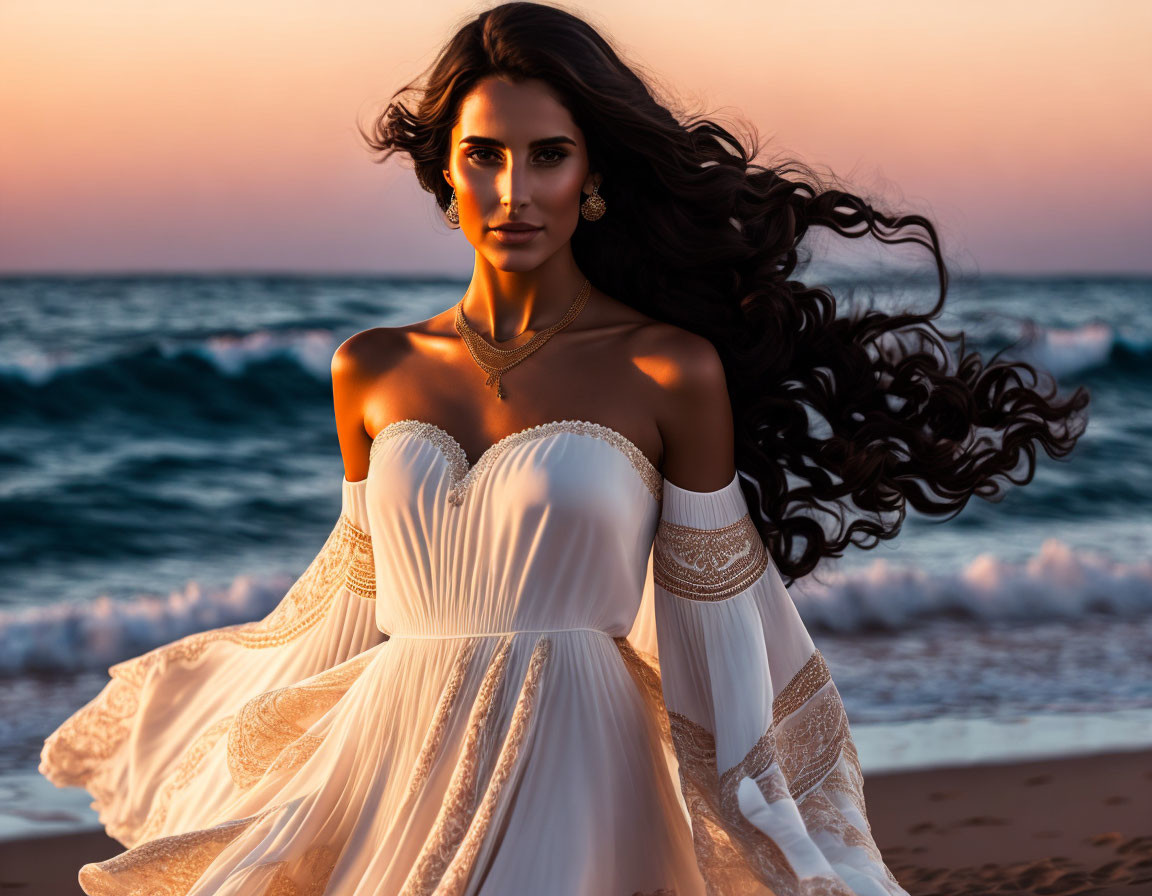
1053,826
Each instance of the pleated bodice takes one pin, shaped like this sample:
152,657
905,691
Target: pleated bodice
550,529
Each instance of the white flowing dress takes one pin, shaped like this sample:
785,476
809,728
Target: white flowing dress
552,672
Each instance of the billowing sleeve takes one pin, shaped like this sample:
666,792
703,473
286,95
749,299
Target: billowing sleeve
768,769
127,741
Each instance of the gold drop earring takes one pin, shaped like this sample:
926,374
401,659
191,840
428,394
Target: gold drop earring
452,213
593,208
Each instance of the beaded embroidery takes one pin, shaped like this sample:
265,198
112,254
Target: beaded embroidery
806,754
807,681
315,866
168,866
459,802
463,475
707,564
82,751
361,576
456,878
181,776
440,718
269,722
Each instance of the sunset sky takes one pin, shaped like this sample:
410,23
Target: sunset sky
213,136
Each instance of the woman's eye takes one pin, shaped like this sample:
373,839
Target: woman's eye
548,156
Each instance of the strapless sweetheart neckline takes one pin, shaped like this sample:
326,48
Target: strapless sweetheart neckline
464,473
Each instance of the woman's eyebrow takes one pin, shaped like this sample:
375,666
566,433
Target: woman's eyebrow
491,141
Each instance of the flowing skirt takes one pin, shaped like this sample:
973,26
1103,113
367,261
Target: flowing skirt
510,763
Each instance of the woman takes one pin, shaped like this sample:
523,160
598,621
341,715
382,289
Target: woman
585,674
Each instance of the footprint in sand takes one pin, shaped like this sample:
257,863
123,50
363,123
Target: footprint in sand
983,821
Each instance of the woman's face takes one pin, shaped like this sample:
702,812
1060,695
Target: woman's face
516,156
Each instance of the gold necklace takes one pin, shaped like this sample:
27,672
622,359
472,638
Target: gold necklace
494,361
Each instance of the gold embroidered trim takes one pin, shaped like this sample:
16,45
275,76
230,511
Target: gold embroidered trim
82,751
757,765
813,764
462,476
315,867
806,755
645,672
431,746
172,865
708,564
430,749
269,722
460,799
361,576
72,754
180,777
731,852
455,879
295,754
847,778
810,677
168,866
809,743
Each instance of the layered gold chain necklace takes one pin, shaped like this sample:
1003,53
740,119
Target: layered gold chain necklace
494,361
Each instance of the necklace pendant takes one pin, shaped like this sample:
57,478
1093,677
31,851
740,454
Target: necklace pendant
496,360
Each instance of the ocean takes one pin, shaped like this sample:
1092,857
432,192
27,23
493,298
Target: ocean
169,463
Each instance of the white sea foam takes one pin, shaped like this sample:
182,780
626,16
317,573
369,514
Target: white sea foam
1057,583
70,637
230,354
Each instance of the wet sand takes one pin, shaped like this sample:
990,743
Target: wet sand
1053,826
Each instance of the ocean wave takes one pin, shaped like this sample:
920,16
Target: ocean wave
74,637
1058,583
63,386
1063,351
1077,350
231,354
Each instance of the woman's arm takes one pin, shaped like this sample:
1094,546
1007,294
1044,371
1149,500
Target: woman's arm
768,768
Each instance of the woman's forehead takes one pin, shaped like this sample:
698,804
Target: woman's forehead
514,112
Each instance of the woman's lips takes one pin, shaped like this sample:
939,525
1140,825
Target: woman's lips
515,237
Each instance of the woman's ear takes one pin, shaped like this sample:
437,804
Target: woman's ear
591,181
448,177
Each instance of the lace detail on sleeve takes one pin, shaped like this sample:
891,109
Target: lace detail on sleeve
708,564
361,576
807,756
84,750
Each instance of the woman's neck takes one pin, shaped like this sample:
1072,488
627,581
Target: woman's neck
500,305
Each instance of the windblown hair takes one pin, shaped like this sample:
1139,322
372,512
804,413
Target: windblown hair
701,236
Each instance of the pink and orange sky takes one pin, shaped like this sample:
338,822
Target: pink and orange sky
220,136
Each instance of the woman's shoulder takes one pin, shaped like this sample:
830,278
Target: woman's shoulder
368,352
693,407
653,338
684,358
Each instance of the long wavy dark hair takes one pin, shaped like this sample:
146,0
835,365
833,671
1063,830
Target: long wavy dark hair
700,235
